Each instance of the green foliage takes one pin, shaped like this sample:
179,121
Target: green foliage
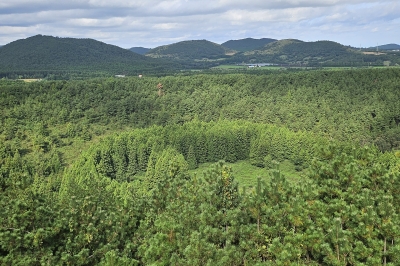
139,50
191,158
358,105
105,180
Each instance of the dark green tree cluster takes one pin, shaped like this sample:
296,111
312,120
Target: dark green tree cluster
345,213
132,153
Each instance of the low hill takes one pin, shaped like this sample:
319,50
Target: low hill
47,53
139,50
292,51
248,44
190,50
391,46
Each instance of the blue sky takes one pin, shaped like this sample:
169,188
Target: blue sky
150,23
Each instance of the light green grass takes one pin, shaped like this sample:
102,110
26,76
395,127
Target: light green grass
246,174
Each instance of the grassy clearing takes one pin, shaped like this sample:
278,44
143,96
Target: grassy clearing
30,80
75,146
246,174
246,67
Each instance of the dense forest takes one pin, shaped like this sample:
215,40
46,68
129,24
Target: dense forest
106,170
139,50
43,56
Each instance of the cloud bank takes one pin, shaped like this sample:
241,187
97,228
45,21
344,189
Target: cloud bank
152,23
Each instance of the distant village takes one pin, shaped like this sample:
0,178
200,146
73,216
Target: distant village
259,65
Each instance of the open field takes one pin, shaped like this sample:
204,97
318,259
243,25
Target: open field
374,53
333,68
30,80
246,174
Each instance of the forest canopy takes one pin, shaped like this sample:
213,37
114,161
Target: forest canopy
106,170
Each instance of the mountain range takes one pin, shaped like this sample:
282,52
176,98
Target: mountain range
265,50
296,51
46,53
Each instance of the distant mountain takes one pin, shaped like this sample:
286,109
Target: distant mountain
391,46
53,53
292,51
248,44
190,50
313,49
139,50
40,55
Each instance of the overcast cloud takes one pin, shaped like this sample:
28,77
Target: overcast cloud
150,23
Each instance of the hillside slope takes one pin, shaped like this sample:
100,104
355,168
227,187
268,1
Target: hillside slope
192,50
390,46
52,53
248,44
297,52
139,50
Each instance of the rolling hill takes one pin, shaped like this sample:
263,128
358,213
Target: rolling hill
390,46
191,50
47,53
248,44
139,50
39,56
300,49
292,51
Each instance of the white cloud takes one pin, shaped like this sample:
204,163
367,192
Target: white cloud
165,26
151,23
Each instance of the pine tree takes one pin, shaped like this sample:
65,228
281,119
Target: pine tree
191,158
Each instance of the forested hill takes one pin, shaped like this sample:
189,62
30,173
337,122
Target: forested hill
193,50
139,50
298,52
248,44
391,46
53,53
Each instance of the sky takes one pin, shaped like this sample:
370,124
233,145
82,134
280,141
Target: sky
151,23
